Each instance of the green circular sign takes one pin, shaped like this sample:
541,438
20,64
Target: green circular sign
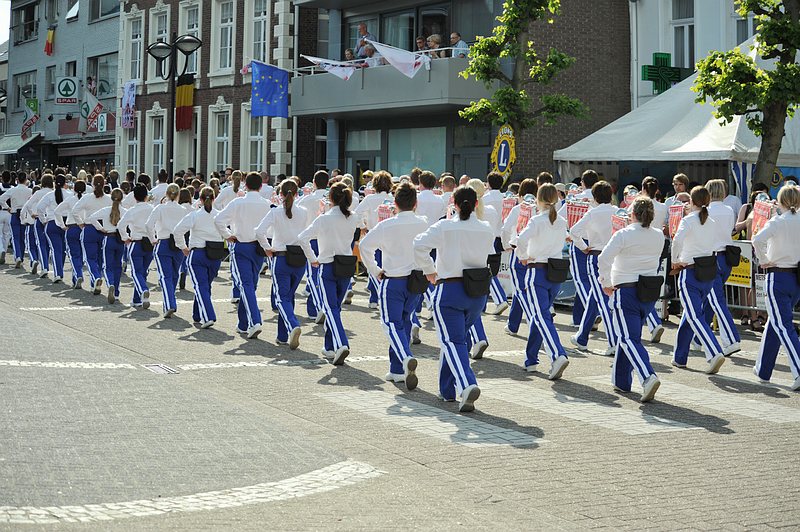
67,88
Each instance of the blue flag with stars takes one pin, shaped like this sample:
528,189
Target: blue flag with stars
270,91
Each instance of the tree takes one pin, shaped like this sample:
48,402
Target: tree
737,86
513,102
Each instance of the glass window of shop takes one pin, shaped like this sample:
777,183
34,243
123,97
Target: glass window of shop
421,147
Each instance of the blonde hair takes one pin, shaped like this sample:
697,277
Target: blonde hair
548,195
236,177
789,198
172,192
82,174
480,189
718,189
116,198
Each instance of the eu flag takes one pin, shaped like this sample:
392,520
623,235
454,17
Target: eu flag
270,91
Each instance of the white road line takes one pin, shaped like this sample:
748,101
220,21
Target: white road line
356,302
722,402
429,421
749,378
328,478
65,365
602,415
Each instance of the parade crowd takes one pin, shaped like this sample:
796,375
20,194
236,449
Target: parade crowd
432,248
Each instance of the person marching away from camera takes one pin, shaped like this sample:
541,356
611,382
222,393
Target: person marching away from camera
133,228
231,192
367,212
539,247
91,239
595,228
66,220
727,257
37,227
310,203
336,265
401,287
492,214
285,223
660,219
5,217
185,198
105,222
432,208
518,271
777,251
242,215
16,198
693,253
461,278
54,233
628,272
168,254
204,253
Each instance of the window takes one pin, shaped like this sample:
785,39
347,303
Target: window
132,141
71,69
51,11
161,28
419,147
50,82
745,28
24,87
398,30
434,20
353,37
194,159
261,31
73,10
102,8
25,23
683,33
135,38
323,32
225,29
256,140
159,32
103,70
157,136
221,140
192,27
320,144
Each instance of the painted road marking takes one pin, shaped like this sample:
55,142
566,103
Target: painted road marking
65,365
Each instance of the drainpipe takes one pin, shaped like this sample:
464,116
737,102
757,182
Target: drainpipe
296,64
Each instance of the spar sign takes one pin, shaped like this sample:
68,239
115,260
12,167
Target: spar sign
66,91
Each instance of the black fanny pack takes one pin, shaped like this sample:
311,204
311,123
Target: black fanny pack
648,289
705,268
260,251
798,273
295,257
665,252
216,250
476,281
172,245
417,282
494,263
557,270
146,245
344,266
733,255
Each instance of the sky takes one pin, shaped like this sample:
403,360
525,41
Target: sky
5,19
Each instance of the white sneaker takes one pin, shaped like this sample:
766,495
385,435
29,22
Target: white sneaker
44,274
169,313
533,368
35,268
499,309
735,347
56,280
650,387
394,377
715,363
373,305
320,319
18,265
415,335
98,284
795,385
655,336
111,296
348,298
328,354
207,324
558,367
509,331
440,396
478,349
409,375
280,342
294,338
254,331
574,341
682,366
611,351
78,283
146,299
468,398
340,355
697,347
762,381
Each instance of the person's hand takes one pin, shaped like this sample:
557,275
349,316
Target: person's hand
381,275
432,278
765,266
315,264
269,253
185,252
524,262
81,225
608,290
232,239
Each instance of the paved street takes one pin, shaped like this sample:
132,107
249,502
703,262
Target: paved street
247,435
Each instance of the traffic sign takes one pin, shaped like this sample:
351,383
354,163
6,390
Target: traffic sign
66,91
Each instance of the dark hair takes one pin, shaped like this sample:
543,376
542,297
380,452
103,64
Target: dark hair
321,179
495,180
701,198
185,196
143,179
382,181
528,186
98,182
207,196
467,199
427,179
414,175
544,177
252,181
341,196
80,188
140,192
47,181
644,211
601,192
589,178
650,186
514,188
130,176
548,194
60,182
21,178
288,190
405,196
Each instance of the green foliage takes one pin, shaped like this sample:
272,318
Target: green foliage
510,41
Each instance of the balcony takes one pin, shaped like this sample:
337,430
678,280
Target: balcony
385,90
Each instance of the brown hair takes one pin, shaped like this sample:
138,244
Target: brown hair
644,211
116,197
341,196
650,186
548,195
207,196
701,198
528,186
98,182
185,195
288,190
236,177
601,192
405,197
382,181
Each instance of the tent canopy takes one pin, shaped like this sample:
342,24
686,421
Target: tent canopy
672,127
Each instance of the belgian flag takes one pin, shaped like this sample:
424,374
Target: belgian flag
184,102
48,45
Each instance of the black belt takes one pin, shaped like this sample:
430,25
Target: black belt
406,277
537,265
626,285
279,253
71,225
594,252
450,280
781,270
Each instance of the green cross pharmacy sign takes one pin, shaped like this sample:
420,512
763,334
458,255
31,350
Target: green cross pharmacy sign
661,72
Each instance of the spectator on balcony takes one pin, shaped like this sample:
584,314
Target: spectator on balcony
422,45
460,48
362,42
435,42
349,55
373,58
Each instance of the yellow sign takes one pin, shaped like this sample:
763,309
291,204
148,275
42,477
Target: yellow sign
504,154
741,275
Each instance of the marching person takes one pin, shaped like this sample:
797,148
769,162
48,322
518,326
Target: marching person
231,192
92,239
693,253
518,271
37,228
777,251
237,223
133,228
53,232
393,240
629,261
16,198
367,212
168,254
105,222
285,223
461,278
489,213
336,265
310,203
204,252
539,247
66,221
661,216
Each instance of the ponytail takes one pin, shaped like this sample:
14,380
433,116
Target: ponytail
701,197
60,182
236,177
342,197
207,195
643,210
80,188
116,198
288,189
703,215
467,199
548,195
98,183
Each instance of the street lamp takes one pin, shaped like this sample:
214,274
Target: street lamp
162,51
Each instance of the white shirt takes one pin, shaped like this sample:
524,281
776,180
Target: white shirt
46,208
431,206
266,191
724,220
595,226
134,221
283,230
733,202
334,234
311,204
631,252
494,198
17,196
508,232
395,238
446,199
660,215
693,239
29,209
226,195
777,243
163,219
201,227
102,219
128,201
64,210
491,215
242,215
367,210
89,204
459,244
541,240
158,192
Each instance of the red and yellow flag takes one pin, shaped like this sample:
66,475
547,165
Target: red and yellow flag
184,102
48,45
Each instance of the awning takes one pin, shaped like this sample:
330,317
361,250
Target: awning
91,149
11,144
73,12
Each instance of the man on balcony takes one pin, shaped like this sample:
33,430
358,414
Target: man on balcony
361,50
373,58
460,48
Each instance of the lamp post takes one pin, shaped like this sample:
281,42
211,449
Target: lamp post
162,51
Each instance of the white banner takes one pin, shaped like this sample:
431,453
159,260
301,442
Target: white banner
406,62
339,69
129,104
90,109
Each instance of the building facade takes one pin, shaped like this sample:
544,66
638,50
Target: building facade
84,45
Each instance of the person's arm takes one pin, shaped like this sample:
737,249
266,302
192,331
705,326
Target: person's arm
424,243
305,238
579,232
509,228
677,242
367,246
60,212
184,226
606,259
761,240
40,210
522,242
150,224
95,218
223,220
263,228
123,226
